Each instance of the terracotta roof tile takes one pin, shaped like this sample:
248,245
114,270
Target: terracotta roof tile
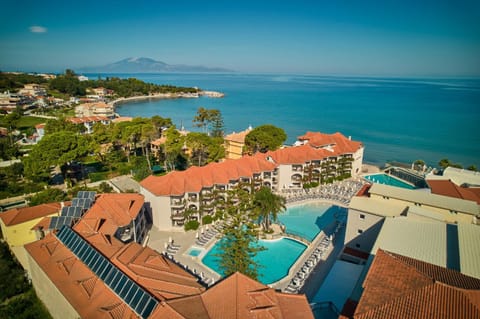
402,287
21,215
193,179
238,296
89,296
448,188
156,273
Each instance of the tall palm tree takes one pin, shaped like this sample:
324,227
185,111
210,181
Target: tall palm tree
268,205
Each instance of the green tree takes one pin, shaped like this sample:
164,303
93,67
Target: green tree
173,149
445,162
62,125
472,168
59,148
50,195
239,244
8,150
267,206
264,138
204,149
209,119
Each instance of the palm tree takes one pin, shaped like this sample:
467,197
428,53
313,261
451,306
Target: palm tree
268,205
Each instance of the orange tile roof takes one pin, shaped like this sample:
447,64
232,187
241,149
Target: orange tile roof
44,223
159,141
17,216
159,275
88,295
448,188
238,296
195,178
402,287
344,145
86,119
115,209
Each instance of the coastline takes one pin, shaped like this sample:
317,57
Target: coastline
160,96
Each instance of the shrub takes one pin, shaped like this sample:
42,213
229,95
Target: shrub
99,176
207,219
191,225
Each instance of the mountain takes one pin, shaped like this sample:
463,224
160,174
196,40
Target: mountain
147,65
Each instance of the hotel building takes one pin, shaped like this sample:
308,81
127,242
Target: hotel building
315,158
91,270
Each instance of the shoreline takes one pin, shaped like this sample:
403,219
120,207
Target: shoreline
161,96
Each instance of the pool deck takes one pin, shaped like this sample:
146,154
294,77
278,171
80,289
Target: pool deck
158,239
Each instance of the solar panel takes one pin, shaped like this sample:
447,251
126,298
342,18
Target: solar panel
72,211
85,203
56,222
86,194
134,296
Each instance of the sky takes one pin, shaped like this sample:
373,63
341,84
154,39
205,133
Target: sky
330,37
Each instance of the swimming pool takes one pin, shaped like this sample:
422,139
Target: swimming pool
388,180
194,252
275,261
309,219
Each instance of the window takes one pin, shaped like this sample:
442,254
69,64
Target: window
362,216
357,245
359,231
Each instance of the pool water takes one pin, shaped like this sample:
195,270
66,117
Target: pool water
275,260
308,220
388,180
194,252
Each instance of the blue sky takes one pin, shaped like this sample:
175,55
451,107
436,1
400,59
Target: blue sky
345,37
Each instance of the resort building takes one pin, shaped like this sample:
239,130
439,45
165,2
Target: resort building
234,144
89,121
457,183
17,223
318,158
88,270
100,109
398,286
366,215
33,90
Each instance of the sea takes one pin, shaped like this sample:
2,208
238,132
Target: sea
397,119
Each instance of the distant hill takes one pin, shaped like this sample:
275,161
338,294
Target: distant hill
147,65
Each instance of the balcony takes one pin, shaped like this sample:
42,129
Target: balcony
177,203
178,217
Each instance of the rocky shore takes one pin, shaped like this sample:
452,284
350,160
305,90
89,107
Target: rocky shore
123,100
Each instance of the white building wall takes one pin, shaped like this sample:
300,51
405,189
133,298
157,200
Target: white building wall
56,303
159,208
285,173
357,162
362,230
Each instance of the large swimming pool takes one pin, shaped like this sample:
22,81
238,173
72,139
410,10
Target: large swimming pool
388,180
302,220
309,219
275,260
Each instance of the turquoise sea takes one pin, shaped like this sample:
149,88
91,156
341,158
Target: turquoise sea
397,119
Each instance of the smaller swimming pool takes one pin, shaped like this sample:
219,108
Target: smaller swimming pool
194,252
388,180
